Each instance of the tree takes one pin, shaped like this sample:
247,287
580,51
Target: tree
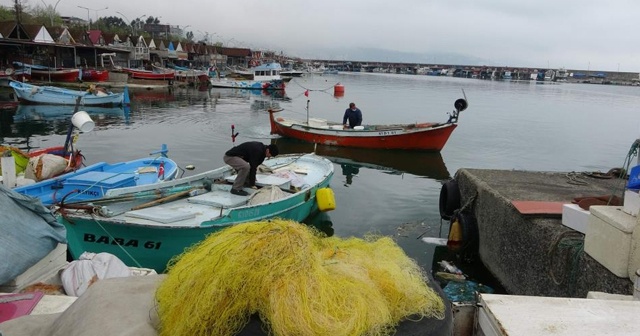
6,14
151,19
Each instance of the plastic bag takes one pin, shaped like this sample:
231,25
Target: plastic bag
45,166
89,268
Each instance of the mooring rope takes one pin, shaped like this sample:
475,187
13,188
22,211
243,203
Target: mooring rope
573,243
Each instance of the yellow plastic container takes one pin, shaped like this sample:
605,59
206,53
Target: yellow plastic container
326,200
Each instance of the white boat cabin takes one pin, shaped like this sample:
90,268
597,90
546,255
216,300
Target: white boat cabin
267,72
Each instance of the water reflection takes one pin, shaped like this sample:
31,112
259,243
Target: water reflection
427,164
26,113
349,171
322,222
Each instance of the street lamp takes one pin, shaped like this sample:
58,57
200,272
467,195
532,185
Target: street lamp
127,20
52,11
90,9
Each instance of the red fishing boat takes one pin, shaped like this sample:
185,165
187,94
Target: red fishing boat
93,75
418,136
56,75
147,74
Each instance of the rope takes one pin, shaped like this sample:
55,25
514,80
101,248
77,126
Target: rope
310,90
574,178
573,243
114,240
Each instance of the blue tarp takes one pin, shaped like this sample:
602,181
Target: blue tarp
28,232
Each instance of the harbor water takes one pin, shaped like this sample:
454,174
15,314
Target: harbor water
508,125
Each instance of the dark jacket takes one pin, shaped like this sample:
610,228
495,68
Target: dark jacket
254,152
354,117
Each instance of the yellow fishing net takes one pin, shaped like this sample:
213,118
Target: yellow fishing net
299,282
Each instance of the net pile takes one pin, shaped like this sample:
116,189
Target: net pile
299,282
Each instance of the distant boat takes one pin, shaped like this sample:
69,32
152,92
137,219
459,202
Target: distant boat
33,94
93,75
151,75
44,73
265,77
291,73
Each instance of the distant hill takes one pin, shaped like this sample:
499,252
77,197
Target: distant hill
383,55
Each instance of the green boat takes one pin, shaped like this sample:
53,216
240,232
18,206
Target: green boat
146,226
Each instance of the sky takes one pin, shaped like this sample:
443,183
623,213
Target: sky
574,34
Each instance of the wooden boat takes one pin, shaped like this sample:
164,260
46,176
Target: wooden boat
48,74
418,136
93,75
92,182
33,94
146,226
148,74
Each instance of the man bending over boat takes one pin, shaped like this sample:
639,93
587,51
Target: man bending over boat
245,159
353,115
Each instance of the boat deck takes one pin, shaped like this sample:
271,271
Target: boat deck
198,205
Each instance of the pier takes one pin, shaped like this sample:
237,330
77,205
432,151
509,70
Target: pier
591,76
532,254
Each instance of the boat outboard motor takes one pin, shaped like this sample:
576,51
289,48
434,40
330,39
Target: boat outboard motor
460,105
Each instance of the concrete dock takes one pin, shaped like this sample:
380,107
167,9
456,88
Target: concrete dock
529,254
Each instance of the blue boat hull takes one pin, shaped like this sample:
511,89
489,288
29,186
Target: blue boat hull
32,94
94,181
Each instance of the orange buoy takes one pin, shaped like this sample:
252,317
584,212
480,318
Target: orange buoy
338,90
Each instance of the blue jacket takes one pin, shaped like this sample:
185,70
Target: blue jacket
354,117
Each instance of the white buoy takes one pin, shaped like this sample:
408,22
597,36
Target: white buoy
190,167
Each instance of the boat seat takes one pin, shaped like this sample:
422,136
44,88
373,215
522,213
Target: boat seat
266,180
103,179
221,198
160,214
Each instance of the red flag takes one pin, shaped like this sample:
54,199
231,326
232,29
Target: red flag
306,93
161,170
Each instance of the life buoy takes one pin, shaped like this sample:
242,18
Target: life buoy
463,235
449,199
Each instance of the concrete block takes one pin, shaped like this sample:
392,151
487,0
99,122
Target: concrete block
608,238
631,202
634,254
575,217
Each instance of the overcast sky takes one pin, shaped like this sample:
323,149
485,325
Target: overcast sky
576,34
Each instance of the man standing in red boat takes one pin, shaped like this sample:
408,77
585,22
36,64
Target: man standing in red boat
353,115
245,159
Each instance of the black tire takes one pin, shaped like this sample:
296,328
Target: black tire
449,199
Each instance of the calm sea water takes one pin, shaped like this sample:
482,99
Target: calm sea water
508,125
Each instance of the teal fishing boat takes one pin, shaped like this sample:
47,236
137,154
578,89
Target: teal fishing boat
146,226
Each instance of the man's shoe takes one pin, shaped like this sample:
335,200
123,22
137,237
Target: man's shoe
239,192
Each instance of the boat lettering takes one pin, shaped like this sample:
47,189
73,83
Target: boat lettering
91,193
387,132
249,213
91,238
